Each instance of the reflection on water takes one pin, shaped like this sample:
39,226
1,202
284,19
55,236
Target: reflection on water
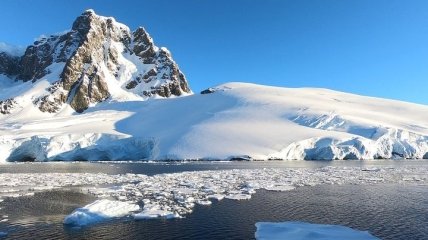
387,211
46,207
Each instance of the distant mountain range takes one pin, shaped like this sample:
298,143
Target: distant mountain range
102,92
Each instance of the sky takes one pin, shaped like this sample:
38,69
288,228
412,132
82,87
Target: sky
369,47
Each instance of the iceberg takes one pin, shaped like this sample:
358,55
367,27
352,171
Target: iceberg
98,211
308,231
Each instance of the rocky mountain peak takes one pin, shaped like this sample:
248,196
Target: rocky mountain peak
99,59
82,24
143,44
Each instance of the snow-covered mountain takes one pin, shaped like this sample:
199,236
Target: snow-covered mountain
98,60
82,95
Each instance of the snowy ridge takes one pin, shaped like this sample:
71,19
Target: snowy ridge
236,120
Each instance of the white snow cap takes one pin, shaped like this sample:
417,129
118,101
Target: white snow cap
90,11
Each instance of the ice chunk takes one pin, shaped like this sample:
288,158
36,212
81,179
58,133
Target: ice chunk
155,213
204,202
99,210
238,196
216,196
279,188
308,231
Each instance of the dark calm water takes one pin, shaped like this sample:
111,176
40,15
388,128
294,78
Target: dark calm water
390,211
151,168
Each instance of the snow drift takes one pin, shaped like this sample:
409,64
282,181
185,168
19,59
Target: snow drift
235,120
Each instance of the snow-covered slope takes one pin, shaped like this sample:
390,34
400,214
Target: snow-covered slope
236,120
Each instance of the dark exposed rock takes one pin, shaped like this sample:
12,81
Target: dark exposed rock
146,77
425,156
52,104
213,90
208,91
168,70
143,46
151,73
241,158
35,61
9,65
47,105
7,105
132,84
89,89
39,56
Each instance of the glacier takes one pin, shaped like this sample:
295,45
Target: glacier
234,120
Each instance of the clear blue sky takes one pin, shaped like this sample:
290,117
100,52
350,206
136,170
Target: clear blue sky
370,47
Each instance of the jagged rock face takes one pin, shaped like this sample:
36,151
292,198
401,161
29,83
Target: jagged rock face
44,52
174,81
9,65
7,105
97,54
165,68
90,88
143,46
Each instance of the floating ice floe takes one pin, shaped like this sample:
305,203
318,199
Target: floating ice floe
204,202
154,212
308,231
238,196
98,211
217,197
176,194
279,188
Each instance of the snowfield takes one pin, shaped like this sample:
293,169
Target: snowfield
237,120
